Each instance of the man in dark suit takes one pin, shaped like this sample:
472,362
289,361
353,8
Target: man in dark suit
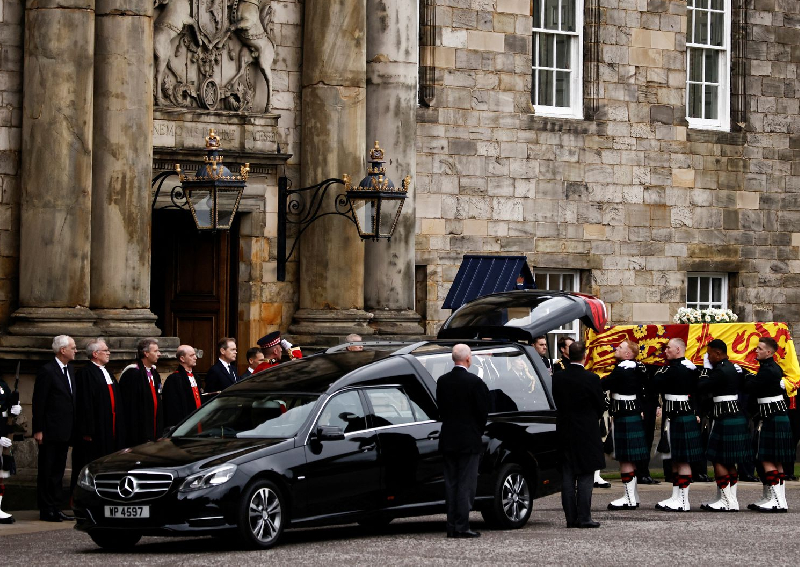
540,344
53,424
463,400
580,404
254,357
181,393
223,372
140,389
99,427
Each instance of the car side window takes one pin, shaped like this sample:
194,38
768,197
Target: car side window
346,411
390,406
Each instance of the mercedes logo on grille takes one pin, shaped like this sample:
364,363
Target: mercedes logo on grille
127,486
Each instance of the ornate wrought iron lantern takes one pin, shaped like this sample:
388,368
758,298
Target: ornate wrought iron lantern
374,205
214,193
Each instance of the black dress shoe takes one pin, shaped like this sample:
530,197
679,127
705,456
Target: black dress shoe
648,480
451,533
572,524
791,477
49,517
703,478
9,520
603,484
64,516
589,525
467,534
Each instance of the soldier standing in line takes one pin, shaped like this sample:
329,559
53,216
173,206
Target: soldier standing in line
273,347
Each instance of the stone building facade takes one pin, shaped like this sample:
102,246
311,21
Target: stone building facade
615,192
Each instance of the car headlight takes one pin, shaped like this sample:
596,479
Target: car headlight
209,478
86,479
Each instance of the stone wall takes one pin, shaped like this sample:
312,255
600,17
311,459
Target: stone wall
630,196
11,29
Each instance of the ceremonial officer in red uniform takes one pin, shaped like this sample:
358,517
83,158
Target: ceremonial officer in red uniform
273,347
181,394
140,388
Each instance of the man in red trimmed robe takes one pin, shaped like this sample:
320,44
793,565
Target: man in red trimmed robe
181,394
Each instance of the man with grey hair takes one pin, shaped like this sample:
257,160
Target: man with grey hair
140,389
354,338
53,426
98,420
463,400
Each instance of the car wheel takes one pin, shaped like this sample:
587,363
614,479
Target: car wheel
261,515
115,540
511,506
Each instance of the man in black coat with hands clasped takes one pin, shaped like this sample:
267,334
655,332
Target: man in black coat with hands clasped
463,400
580,404
223,373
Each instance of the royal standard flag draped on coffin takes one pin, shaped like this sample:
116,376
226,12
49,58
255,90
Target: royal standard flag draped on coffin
741,338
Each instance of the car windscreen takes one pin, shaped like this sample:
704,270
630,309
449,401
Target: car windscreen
266,415
508,373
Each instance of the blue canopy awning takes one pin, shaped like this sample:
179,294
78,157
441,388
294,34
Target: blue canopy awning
481,275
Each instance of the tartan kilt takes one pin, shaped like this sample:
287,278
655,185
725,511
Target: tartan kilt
686,445
629,442
730,441
775,440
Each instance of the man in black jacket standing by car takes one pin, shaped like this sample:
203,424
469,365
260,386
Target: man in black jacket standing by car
463,400
579,404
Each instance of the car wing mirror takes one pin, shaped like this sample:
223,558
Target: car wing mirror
330,433
168,431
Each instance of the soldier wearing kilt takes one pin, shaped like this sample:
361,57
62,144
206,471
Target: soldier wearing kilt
773,432
626,384
681,442
729,441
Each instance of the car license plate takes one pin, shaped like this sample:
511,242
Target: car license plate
127,511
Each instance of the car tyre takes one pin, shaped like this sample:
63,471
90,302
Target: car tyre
511,506
115,540
262,515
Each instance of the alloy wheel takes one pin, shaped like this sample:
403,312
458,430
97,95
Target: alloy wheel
516,496
265,515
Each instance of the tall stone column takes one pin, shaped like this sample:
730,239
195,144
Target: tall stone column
392,44
55,208
333,143
122,167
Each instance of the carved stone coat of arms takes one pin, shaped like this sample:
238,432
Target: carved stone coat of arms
214,54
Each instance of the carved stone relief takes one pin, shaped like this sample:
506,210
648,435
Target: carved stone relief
214,54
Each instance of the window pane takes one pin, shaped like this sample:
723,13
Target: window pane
537,13
696,65
701,27
716,5
689,28
541,281
701,4
546,88
562,52
716,290
551,14
546,49
695,101
390,406
691,290
568,282
712,66
567,15
712,97
717,28
690,3
345,411
704,287
562,88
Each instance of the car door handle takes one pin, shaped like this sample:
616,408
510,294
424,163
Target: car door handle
366,448
433,435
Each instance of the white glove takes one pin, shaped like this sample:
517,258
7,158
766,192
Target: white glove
706,362
737,367
286,344
688,364
16,410
627,364
783,385
5,442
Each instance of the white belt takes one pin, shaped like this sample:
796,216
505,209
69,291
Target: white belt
622,397
676,397
770,400
726,398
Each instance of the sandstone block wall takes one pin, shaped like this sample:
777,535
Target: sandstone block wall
630,196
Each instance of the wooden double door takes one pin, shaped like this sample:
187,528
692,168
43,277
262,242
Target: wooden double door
194,282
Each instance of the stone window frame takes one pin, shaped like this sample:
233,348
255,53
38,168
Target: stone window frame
724,51
575,110
573,328
694,280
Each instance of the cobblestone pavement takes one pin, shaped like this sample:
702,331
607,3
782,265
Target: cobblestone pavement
641,537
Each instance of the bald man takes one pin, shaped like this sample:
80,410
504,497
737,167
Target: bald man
181,394
463,400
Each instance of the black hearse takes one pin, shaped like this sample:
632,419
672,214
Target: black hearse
344,437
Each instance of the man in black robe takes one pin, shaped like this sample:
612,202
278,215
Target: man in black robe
140,390
181,393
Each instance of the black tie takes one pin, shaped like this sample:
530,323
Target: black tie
66,375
